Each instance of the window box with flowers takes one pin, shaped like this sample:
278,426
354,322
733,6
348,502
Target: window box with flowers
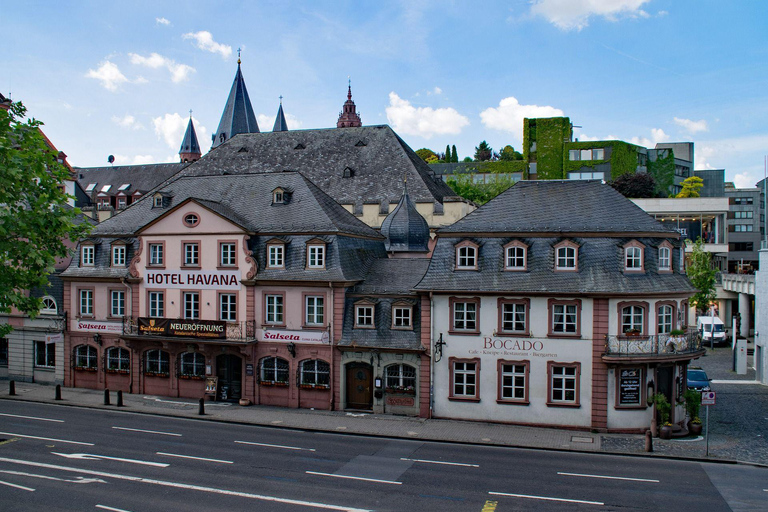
401,390
191,376
157,374
119,371
322,387
86,368
276,383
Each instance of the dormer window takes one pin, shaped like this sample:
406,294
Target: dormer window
665,257
402,314
466,256
158,201
316,255
275,255
566,256
122,202
633,257
278,196
515,256
364,315
87,255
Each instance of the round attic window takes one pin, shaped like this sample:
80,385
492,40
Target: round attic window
191,220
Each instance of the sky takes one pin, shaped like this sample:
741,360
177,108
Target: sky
119,78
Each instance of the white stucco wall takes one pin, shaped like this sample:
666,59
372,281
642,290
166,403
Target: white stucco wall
761,318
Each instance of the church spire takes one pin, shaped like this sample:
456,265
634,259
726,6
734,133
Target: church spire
190,148
348,116
280,124
238,116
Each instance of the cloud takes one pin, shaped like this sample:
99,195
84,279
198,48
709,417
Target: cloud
510,113
179,72
575,14
423,121
144,159
692,126
171,127
744,180
128,121
109,75
162,21
435,91
657,135
205,42
267,122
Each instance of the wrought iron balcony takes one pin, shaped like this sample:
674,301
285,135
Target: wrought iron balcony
656,345
233,331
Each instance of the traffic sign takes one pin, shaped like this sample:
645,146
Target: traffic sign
707,398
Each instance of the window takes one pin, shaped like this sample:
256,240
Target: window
274,369
118,359
513,316
633,318
664,319
45,354
87,255
464,315
316,373
574,155
593,175
158,201
316,256
565,256
156,255
86,356
314,307
192,364
364,316
276,257
274,309
191,255
513,381
227,254
633,257
400,377
742,215
741,246
401,317
117,303
191,220
191,305
742,228
465,379
466,256
564,318
586,154
156,304
122,202
228,307
514,257
598,154
742,200
157,363
665,258
49,306
563,383
277,196
4,352
118,255
86,302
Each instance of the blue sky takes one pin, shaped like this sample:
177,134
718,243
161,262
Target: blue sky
120,77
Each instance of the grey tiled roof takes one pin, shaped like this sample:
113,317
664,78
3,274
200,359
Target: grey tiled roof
280,124
406,230
392,276
102,268
238,116
141,177
189,144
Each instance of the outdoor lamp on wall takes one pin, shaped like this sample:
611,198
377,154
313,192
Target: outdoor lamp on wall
439,348
292,349
97,339
649,396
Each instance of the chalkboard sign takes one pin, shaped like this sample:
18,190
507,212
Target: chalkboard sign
211,383
629,386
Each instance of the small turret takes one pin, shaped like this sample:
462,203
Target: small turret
405,228
280,124
190,149
348,117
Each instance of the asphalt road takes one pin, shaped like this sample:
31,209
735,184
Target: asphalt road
66,458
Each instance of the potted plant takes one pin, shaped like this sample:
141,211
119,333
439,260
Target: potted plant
692,407
663,408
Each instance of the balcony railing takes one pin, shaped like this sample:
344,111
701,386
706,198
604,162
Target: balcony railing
652,345
235,331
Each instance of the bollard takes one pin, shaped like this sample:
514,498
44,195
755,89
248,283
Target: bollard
119,398
201,410
58,392
106,397
648,441
12,388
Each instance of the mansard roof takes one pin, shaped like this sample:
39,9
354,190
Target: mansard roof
142,178
406,230
238,116
280,123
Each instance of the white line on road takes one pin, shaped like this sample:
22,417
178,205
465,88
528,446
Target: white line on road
45,439
91,456
546,498
178,485
185,403
277,446
735,382
195,458
355,478
148,431
78,480
610,477
442,462
104,507
30,417
9,484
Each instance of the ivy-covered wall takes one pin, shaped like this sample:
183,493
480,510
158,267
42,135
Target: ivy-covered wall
623,157
663,171
550,135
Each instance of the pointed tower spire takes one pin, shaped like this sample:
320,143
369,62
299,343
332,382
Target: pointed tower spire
348,116
190,148
238,116
280,124
405,228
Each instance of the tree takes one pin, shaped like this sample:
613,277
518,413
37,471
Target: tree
467,159
483,152
691,187
480,193
35,219
635,185
427,155
702,276
508,154
448,153
454,155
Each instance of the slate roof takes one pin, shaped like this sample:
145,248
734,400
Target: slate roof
406,230
280,123
190,144
102,268
238,116
141,177
374,158
392,276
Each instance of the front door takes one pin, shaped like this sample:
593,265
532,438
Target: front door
229,369
359,386
665,377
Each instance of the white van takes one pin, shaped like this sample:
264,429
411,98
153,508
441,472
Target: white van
709,326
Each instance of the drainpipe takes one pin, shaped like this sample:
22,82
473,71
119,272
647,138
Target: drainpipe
330,340
431,356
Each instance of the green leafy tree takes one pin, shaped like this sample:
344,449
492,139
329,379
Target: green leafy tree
427,155
636,185
663,171
483,152
691,187
447,153
479,193
508,154
454,155
702,275
35,219
467,159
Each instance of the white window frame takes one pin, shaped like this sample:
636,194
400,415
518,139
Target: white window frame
632,317
665,258
118,255
465,379
402,317
191,304
156,304
117,303
565,258
191,254
274,309
564,381
565,319
314,308
466,257
86,302
156,256
315,372
88,255
48,354
276,256
364,316
228,307
513,379
514,258
228,254
49,306
665,319
633,258
316,256
465,316
517,313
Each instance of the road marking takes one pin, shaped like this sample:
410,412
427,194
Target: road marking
195,458
610,477
490,506
178,485
277,446
78,480
355,478
90,456
104,507
9,484
546,498
736,382
147,431
442,462
46,439
186,403
30,417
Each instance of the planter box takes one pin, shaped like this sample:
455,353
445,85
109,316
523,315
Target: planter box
85,369
120,372
192,377
273,383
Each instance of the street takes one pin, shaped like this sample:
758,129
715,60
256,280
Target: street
64,458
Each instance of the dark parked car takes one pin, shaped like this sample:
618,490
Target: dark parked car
698,380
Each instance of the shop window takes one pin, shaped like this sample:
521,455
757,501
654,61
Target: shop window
513,316
465,379
118,359
45,354
86,358
513,381
465,315
228,307
400,378
273,313
274,370
564,318
630,387
563,381
315,373
192,364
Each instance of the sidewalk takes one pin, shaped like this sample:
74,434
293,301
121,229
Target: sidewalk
737,423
